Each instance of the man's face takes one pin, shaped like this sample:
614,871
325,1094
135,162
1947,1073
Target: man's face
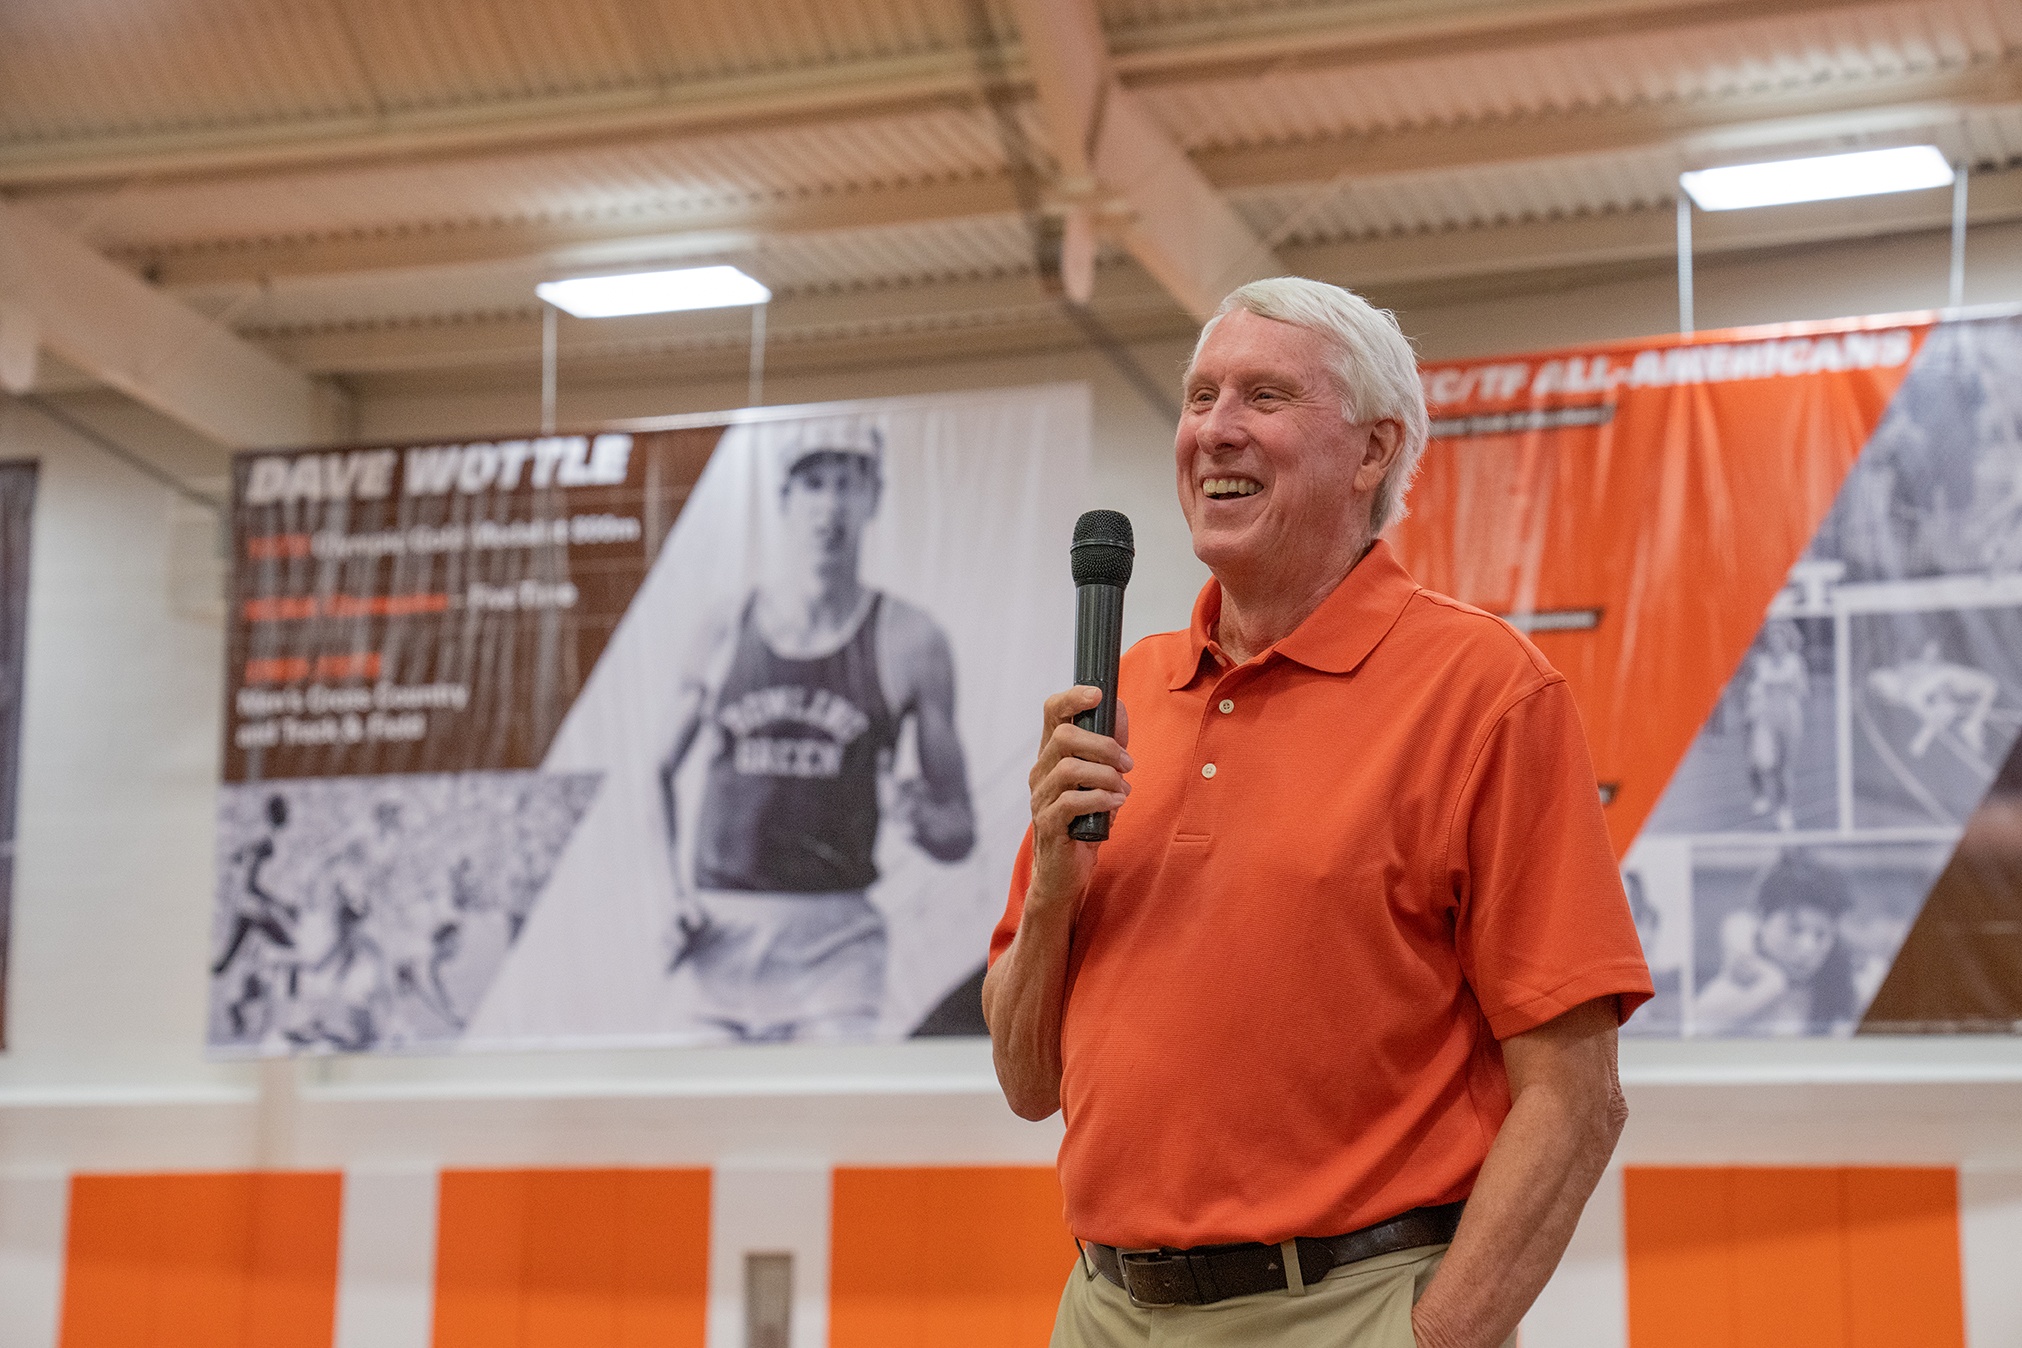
1268,470
829,498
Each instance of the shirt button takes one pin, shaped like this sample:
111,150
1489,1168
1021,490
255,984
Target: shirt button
1227,706
1207,769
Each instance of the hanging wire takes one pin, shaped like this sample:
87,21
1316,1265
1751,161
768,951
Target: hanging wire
1685,317
1958,289
550,357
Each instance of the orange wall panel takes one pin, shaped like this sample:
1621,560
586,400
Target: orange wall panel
202,1261
946,1255
1784,1258
572,1259
1793,1258
1677,1245
481,1227
1903,1262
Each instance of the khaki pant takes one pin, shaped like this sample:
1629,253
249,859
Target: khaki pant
1361,1305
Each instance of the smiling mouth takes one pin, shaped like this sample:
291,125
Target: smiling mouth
1230,488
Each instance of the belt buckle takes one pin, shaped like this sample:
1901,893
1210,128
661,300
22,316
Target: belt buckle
1163,1260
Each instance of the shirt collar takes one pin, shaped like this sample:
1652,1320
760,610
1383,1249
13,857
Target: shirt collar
1336,637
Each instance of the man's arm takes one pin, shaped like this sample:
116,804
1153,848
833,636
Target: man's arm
705,669
944,822
1078,772
690,929
1566,1113
687,724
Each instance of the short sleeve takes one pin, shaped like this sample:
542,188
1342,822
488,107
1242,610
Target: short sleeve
1542,924
1014,906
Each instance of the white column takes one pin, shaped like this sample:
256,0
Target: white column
1990,1249
765,1206
33,1213
386,1259
1586,1304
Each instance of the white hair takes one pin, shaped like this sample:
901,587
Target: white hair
1370,358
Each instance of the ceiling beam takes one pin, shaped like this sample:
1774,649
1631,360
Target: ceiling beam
1118,168
125,333
1342,34
1705,130
1355,33
588,242
1452,265
927,322
931,317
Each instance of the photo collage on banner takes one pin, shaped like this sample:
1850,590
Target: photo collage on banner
1792,614
687,731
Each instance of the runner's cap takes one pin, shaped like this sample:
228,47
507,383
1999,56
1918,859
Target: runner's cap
801,440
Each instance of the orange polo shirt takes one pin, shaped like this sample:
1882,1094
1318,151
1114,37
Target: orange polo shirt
1347,869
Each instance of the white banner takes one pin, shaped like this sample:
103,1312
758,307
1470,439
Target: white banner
777,800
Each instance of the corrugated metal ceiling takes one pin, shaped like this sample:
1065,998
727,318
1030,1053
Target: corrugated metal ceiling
1804,52
1498,194
91,69
838,260
687,174
95,68
658,180
88,70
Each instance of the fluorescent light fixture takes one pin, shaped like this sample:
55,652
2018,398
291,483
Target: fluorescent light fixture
653,292
1823,178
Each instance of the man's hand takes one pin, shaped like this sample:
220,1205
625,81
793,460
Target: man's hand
1566,1113
1078,772
690,932
944,829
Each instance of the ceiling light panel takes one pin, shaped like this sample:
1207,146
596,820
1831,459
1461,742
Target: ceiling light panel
1821,178
653,292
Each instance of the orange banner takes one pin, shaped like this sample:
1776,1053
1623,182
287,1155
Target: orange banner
1636,505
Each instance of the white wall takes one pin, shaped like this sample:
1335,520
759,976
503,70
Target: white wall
112,918
123,701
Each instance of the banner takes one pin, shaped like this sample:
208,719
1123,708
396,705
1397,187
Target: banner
685,731
1782,570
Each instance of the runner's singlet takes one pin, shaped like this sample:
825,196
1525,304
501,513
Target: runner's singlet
791,800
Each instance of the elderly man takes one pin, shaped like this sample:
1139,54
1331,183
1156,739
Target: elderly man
1332,1014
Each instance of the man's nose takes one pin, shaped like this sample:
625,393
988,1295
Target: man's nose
1220,426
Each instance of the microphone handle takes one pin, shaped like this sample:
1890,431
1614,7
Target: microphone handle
1098,649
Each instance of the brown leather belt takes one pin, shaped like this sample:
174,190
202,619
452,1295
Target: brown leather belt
1209,1273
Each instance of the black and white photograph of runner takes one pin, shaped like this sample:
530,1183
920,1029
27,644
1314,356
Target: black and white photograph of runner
799,700
1765,760
372,912
810,793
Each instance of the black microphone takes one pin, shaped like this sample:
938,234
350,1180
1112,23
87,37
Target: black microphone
1101,557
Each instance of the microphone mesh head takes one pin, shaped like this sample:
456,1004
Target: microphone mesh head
1103,548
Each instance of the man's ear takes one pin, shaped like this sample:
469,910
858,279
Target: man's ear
1386,438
